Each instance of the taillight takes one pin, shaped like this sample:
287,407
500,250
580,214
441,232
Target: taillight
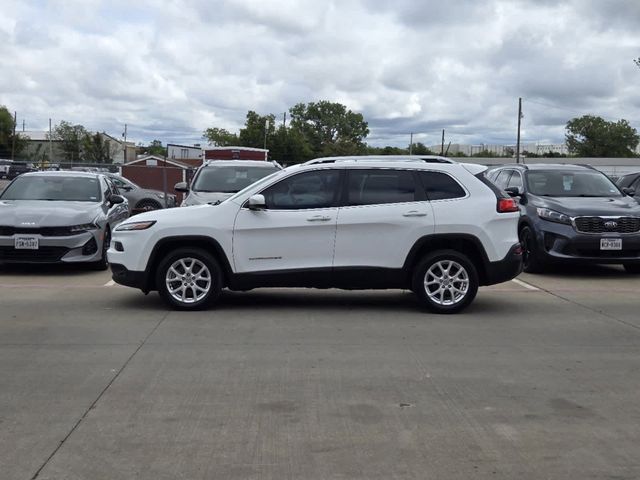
506,205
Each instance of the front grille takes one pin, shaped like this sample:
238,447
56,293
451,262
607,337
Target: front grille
7,231
41,255
607,225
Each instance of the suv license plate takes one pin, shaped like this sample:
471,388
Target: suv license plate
26,243
610,244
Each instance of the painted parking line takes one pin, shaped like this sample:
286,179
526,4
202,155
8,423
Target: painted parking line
110,283
525,284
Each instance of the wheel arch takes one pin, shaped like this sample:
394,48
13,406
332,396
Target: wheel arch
166,245
466,244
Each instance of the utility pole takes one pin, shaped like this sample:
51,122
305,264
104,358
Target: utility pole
284,119
266,127
50,144
23,122
411,144
124,151
442,144
13,139
519,119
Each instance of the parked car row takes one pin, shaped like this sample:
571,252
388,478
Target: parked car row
439,228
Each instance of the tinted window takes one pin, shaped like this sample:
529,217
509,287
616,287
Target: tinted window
441,186
317,189
228,179
503,178
75,189
371,187
557,183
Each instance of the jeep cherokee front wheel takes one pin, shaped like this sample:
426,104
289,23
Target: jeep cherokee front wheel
189,279
445,281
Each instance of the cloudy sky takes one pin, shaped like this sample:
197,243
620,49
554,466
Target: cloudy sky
169,69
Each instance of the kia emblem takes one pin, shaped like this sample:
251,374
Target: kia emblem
610,225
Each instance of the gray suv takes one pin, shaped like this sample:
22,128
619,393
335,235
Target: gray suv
142,199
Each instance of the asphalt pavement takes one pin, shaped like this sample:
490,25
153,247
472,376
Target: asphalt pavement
539,378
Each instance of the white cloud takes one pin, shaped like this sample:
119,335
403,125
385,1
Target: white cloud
171,69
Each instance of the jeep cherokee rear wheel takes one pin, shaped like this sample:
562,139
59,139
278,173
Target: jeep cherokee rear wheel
189,279
445,281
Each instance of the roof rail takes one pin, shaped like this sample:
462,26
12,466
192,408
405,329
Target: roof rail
381,158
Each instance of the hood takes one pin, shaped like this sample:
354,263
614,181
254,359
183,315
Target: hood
41,213
202,198
590,206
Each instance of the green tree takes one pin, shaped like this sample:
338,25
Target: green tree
8,141
420,149
154,148
592,136
71,139
96,149
220,137
288,147
330,128
253,133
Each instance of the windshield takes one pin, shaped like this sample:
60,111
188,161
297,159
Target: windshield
123,182
229,179
71,189
571,184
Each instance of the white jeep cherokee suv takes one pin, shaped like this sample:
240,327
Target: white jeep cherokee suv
439,229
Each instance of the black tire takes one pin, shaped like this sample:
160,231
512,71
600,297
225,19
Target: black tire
147,205
191,285
632,267
531,262
460,266
103,263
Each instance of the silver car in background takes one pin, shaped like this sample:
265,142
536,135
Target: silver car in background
217,180
142,199
59,217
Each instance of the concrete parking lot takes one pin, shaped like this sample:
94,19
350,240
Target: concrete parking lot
539,378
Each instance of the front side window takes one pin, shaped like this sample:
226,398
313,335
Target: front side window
587,183
316,189
440,186
373,187
71,189
228,179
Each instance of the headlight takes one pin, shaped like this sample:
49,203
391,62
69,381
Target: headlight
83,228
127,227
553,216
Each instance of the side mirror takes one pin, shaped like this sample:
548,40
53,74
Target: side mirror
115,199
126,188
514,191
181,187
629,191
257,202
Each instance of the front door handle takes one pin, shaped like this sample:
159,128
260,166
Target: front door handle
414,213
318,218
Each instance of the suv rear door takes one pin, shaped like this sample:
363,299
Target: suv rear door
385,211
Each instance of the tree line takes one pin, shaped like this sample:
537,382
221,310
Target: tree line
316,129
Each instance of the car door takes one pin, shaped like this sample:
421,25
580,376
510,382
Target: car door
295,232
384,213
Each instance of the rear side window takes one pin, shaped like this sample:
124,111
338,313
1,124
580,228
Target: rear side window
503,178
375,187
440,186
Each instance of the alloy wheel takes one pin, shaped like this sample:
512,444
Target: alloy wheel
446,282
188,280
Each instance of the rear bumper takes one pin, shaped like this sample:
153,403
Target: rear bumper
129,278
506,269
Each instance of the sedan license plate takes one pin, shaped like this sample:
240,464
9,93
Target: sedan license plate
26,243
610,244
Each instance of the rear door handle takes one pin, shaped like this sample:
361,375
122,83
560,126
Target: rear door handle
414,213
318,218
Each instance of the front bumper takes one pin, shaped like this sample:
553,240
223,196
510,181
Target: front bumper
84,247
129,278
559,243
506,269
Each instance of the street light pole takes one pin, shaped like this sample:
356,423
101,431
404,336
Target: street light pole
519,119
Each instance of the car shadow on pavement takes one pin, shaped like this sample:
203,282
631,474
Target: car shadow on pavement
53,270
585,271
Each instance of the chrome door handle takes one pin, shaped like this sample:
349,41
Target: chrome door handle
414,213
318,218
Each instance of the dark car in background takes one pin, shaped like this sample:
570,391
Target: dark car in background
142,199
217,180
18,168
571,214
631,182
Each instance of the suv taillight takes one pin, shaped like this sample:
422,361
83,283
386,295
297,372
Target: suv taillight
507,205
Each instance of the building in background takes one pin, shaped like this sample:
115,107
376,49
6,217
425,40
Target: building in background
235,153
191,154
